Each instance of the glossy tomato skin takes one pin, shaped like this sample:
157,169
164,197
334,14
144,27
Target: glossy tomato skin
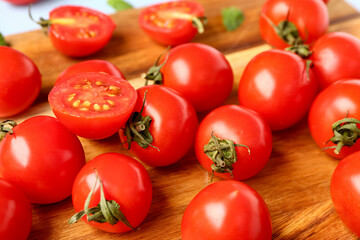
76,40
21,2
275,83
124,179
42,158
20,82
301,13
173,126
95,65
93,105
345,194
227,210
15,211
335,56
242,126
169,31
341,99
200,73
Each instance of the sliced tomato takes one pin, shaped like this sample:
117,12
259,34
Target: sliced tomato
93,105
172,23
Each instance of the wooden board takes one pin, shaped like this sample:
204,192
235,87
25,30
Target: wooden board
294,183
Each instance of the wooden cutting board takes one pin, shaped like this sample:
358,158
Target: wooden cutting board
294,183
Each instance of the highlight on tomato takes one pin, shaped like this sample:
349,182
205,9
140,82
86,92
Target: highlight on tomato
20,82
93,105
334,118
112,192
174,22
40,157
78,31
227,210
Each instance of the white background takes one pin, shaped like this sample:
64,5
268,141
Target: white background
15,19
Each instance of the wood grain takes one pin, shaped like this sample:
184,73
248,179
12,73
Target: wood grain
294,183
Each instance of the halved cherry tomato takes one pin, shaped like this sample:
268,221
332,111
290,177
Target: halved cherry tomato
93,105
172,23
100,66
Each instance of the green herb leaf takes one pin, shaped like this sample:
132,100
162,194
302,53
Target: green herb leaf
119,5
232,18
2,41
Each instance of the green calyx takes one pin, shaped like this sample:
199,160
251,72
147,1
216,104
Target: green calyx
3,41
199,23
154,73
6,127
302,50
44,23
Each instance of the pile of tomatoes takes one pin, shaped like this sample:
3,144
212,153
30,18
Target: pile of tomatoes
307,73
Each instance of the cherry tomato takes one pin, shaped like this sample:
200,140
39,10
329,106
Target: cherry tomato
336,56
15,212
93,105
338,101
200,73
124,180
79,31
100,66
227,210
42,158
21,2
345,193
172,23
20,82
306,21
172,126
229,126
278,85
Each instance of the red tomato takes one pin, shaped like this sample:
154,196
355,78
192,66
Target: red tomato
15,212
173,126
338,101
335,56
21,2
124,180
303,14
345,191
79,31
20,82
100,66
206,84
277,85
227,210
42,158
93,105
241,126
172,23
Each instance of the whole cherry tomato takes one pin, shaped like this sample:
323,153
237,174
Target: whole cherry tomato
41,157
20,82
15,212
233,142
93,105
335,56
345,194
337,104
227,210
278,85
21,2
172,23
169,125
293,22
123,181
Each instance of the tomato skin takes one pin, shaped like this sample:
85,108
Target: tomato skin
227,210
335,102
345,194
15,210
301,13
269,83
21,2
77,41
20,82
242,126
173,127
124,179
206,84
42,159
331,58
182,31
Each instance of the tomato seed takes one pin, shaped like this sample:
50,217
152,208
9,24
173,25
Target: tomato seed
97,107
99,83
76,103
111,102
106,107
87,103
